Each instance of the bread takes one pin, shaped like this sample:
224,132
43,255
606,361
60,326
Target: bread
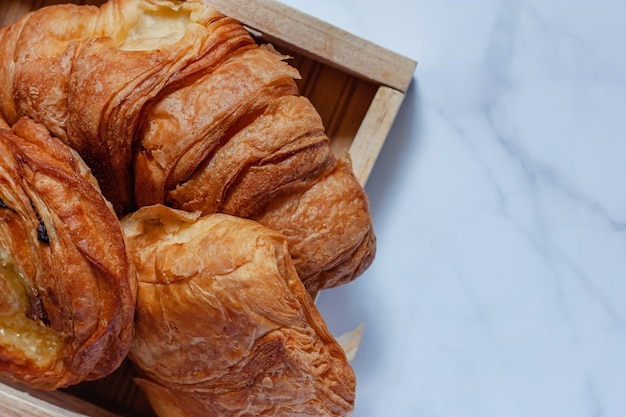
68,288
173,103
224,326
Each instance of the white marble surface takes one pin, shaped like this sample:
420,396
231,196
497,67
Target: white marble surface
499,199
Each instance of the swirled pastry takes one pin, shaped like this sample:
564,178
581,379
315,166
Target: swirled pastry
174,103
67,287
224,326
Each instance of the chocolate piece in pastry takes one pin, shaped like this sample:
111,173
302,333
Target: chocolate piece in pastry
224,326
67,285
173,103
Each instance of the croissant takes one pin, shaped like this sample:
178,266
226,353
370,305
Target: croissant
67,284
224,326
174,103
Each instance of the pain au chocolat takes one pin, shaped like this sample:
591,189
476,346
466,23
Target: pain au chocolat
174,103
224,326
67,286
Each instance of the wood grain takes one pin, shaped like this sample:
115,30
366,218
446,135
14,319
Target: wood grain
323,42
22,401
374,130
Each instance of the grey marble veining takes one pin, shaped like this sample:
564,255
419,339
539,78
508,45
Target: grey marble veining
499,199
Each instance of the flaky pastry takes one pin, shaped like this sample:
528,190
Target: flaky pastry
68,288
224,326
174,103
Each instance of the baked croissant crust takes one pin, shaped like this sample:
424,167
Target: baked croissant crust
224,326
174,103
67,287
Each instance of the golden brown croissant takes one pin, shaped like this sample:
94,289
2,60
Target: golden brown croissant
68,288
224,326
172,102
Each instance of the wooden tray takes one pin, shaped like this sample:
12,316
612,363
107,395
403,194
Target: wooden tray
356,86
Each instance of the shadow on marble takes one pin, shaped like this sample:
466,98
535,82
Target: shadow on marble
346,307
399,150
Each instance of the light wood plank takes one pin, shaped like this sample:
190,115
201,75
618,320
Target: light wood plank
21,401
374,130
346,123
311,36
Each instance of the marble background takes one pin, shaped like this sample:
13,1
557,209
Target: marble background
499,289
